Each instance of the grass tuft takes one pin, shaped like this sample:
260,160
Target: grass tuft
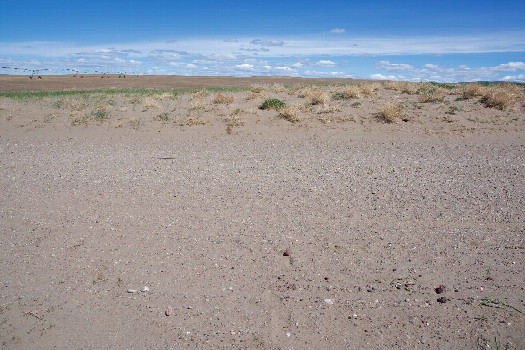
390,112
272,103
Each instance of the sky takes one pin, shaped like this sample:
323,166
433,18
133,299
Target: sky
443,41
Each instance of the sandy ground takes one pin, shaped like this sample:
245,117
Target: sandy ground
338,231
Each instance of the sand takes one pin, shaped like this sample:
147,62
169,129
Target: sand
338,231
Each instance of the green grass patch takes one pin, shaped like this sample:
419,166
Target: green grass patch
272,103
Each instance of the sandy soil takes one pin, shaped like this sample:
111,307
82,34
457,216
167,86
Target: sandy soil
337,231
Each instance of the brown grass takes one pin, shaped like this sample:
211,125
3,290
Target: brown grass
291,113
500,97
390,111
222,99
352,91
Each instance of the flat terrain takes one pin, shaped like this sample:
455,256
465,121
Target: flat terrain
337,222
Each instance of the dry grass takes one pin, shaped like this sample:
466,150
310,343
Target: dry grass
432,94
500,97
318,97
233,121
291,113
369,89
352,91
199,94
257,89
150,102
390,111
403,86
222,99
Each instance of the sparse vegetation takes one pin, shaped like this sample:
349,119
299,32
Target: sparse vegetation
222,99
291,113
390,112
272,103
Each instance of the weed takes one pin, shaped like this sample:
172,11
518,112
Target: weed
499,97
136,123
452,110
48,118
58,104
352,91
100,115
237,111
356,104
319,98
222,99
234,121
163,117
291,113
150,102
491,302
390,111
272,103
460,99
431,95
199,94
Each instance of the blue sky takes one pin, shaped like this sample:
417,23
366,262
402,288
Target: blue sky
399,40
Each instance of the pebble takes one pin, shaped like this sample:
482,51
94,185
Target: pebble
144,289
423,341
132,290
329,301
168,311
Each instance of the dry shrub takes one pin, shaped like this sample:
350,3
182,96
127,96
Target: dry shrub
196,121
390,111
252,95
393,85
276,87
233,121
197,104
257,89
319,97
500,97
352,91
291,113
199,94
326,108
222,99
150,102
369,89
472,90
432,94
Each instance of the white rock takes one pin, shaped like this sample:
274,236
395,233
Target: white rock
132,291
329,301
144,289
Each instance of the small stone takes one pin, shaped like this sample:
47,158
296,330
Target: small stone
440,289
423,341
329,301
144,289
168,311
442,300
132,290
286,252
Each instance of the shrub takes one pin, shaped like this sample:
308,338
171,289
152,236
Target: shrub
319,98
352,91
390,111
272,103
291,113
499,97
222,99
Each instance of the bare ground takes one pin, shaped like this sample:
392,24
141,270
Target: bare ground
336,231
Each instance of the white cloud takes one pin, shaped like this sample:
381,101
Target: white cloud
386,65
325,63
383,77
338,30
517,78
267,42
245,66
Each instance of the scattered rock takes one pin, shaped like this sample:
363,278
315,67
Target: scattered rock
168,311
144,289
440,289
442,300
132,290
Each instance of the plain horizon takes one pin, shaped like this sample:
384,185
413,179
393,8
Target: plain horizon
443,42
